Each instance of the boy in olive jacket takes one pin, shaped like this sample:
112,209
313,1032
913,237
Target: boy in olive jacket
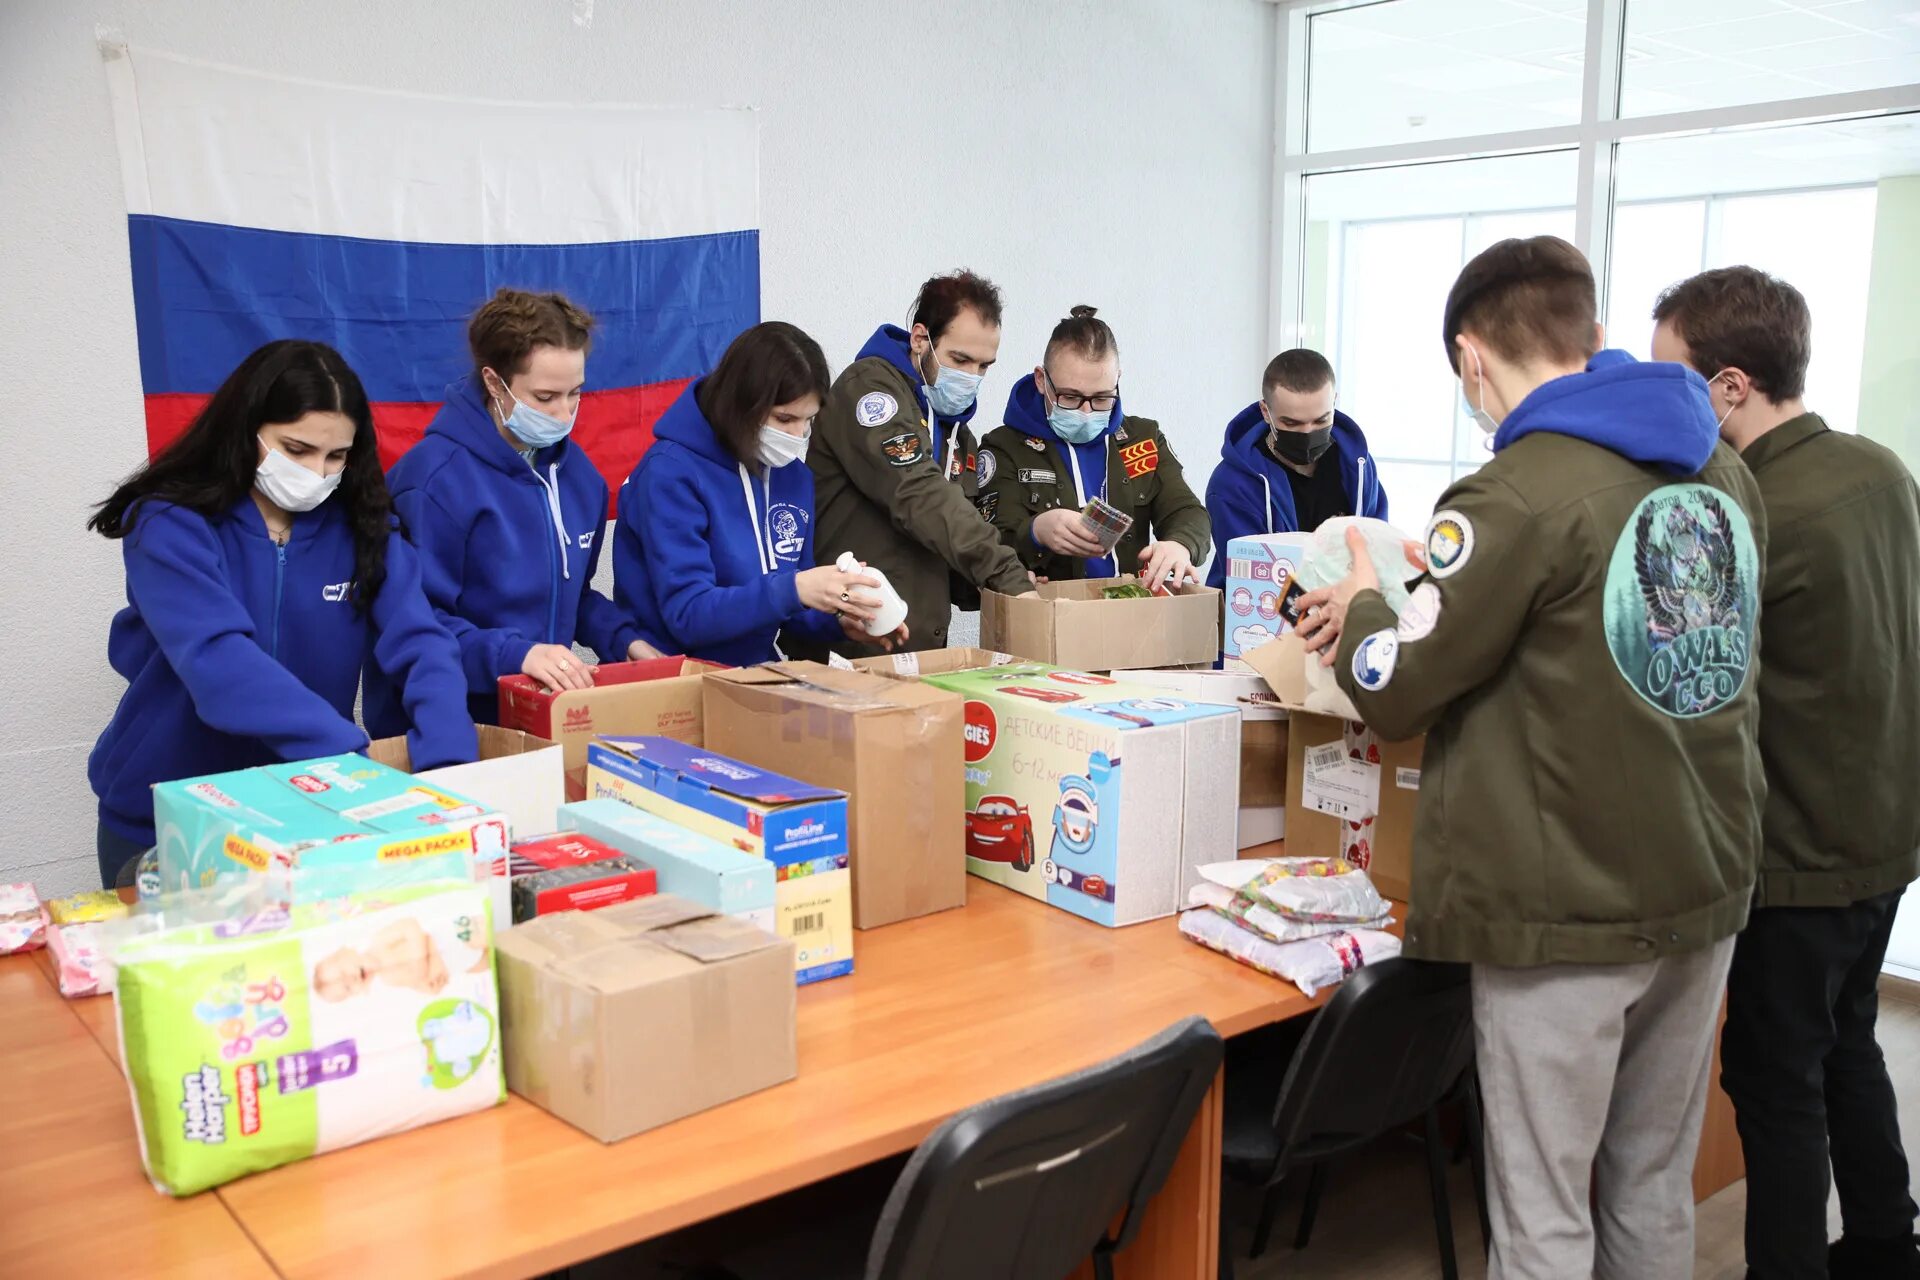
1581,656
1840,733
1065,442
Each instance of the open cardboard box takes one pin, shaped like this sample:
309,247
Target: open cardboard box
657,697
1349,794
893,745
1071,624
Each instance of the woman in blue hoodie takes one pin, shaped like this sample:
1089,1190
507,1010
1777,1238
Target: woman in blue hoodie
507,511
713,552
253,601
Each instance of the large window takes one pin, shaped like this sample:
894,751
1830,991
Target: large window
1661,136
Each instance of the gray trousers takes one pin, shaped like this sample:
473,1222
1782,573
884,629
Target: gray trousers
1595,1084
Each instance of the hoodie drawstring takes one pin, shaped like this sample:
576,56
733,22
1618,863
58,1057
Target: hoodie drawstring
1268,486
761,544
1360,498
553,505
1080,485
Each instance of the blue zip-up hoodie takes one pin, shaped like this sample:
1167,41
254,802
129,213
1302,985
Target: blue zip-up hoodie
508,549
685,565
1027,411
894,345
240,652
1658,415
1249,493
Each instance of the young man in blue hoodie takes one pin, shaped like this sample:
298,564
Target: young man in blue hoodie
508,511
1581,657
1291,461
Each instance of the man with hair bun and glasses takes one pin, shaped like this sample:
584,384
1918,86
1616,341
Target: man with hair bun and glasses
1067,442
1291,460
1840,734
1580,655
893,463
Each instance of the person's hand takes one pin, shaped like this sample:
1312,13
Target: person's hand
1323,613
852,595
1062,532
856,631
640,650
1161,559
1028,595
555,666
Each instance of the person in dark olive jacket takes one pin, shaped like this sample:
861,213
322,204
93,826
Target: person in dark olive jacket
1066,442
1580,654
1840,733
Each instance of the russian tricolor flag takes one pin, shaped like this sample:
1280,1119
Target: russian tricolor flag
261,208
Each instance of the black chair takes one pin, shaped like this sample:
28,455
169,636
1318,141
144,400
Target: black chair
1026,1186
1392,1046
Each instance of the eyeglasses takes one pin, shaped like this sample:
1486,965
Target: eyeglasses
1101,401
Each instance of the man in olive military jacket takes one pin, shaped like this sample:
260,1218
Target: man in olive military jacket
1580,654
1840,733
1065,442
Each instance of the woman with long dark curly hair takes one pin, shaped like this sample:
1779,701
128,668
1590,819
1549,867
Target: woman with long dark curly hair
265,568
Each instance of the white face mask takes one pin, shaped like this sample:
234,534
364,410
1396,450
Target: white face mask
1478,412
290,486
777,448
1730,405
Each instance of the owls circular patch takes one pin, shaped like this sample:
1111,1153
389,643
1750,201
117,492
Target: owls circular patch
1682,598
875,408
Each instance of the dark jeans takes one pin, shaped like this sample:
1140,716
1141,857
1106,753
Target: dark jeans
1809,1084
114,851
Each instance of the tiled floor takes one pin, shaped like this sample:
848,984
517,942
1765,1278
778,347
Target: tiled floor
1375,1223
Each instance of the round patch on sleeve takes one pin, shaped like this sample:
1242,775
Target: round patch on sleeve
1421,615
1373,660
1449,543
984,467
875,408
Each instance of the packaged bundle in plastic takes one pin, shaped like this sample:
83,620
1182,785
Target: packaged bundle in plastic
1328,561
1310,964
1250,913
1311,890
260,1040
23,924
81,961
80,908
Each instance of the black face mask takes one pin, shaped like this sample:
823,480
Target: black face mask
1300,447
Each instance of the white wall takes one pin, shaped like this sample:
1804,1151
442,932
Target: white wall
1113,152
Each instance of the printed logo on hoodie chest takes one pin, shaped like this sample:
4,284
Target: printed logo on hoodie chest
336,592
787,524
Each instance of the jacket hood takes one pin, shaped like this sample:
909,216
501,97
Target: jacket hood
685,425
465,420
1027,411
1654,414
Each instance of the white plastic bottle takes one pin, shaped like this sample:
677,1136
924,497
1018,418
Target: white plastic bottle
893,610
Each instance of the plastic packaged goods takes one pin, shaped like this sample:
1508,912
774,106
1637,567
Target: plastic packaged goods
1309,965
1328,560
80,959
23,925
1256,917
79,908
266,1038
1310,890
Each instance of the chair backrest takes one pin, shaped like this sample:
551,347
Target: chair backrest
1028,1184
1391,1043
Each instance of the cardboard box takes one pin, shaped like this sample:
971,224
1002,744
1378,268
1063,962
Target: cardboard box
573,872
799,828
658,697
345,815
622,1020
1349,793
1097,796
1263,741
685,863
894,746
517,774
932,662
1070,624
1257,570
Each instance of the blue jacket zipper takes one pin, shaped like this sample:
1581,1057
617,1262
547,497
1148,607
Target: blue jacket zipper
279,581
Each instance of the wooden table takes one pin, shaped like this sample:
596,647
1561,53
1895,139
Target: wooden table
941,1013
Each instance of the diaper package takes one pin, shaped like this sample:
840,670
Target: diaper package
23,925
1328,560
264,1039
80,959
1309,965
1252,915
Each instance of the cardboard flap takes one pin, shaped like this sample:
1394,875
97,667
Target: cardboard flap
818,684
716,938
660,911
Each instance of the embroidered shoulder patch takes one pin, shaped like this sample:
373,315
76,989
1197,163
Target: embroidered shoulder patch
984,466
1421,615
1374,659
875,408
1682,598
1449,543
904,449
1141,458
988,505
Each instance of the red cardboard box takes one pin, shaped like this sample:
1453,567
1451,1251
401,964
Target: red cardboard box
572,872
658,697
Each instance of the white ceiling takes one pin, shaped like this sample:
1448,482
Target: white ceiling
1415,69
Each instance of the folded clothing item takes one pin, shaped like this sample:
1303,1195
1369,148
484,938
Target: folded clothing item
80,959
1313,890
1309,964
78,908
23,925
1253,915
262,1040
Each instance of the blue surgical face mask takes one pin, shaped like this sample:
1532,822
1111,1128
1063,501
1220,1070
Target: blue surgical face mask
952,390
1077,426
533,428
